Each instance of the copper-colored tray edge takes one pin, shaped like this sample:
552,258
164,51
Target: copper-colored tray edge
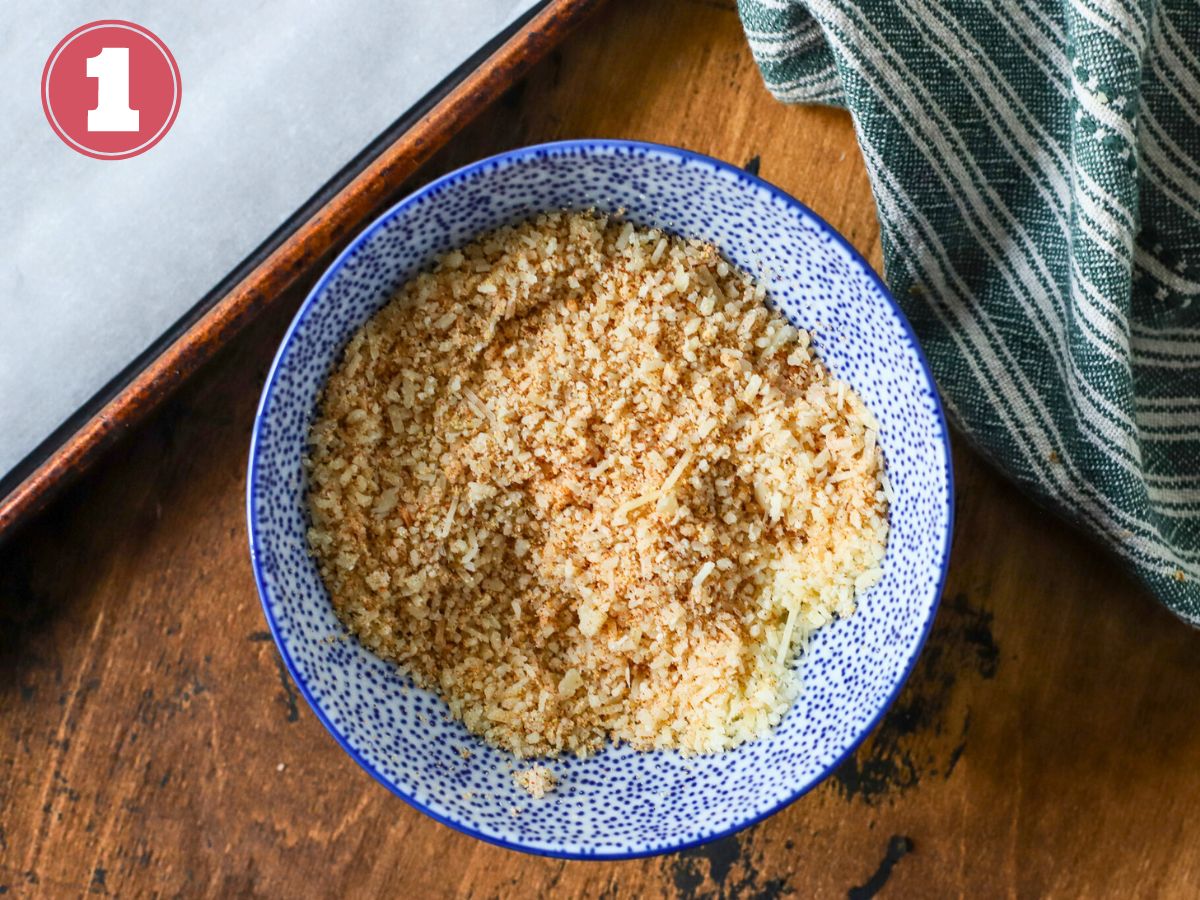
333,222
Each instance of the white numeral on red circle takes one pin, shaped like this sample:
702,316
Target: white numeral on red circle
110,68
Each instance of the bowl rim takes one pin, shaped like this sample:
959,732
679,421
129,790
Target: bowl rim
542,150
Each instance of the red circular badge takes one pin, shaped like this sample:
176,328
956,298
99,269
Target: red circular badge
111,89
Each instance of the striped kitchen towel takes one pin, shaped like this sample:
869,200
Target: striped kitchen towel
1036,167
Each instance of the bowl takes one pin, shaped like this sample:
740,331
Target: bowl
618,803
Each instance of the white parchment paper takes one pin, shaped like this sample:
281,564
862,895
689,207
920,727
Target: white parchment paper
98,258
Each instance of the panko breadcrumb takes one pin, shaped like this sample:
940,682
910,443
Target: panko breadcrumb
582,481
537,781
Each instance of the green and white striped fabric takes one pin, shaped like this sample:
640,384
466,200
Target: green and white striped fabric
1036,167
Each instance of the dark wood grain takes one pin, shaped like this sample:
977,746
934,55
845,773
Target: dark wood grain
1046,745
299,254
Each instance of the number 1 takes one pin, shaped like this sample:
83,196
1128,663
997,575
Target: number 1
110,68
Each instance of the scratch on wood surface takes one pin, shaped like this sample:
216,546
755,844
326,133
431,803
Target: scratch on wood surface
557,876
61,745
32,878
957,752
963,807
101,844
899,846
350,818
611,890
218,758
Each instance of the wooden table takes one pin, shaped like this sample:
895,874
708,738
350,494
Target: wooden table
153,743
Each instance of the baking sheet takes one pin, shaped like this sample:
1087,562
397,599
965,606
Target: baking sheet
100,258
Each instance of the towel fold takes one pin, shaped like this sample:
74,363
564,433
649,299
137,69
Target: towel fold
1036,168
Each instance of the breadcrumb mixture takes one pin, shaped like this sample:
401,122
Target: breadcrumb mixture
580,480
537,781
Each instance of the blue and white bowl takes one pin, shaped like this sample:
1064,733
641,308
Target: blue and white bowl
618,803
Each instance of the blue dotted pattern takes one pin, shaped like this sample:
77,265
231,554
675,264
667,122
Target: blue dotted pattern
619,802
